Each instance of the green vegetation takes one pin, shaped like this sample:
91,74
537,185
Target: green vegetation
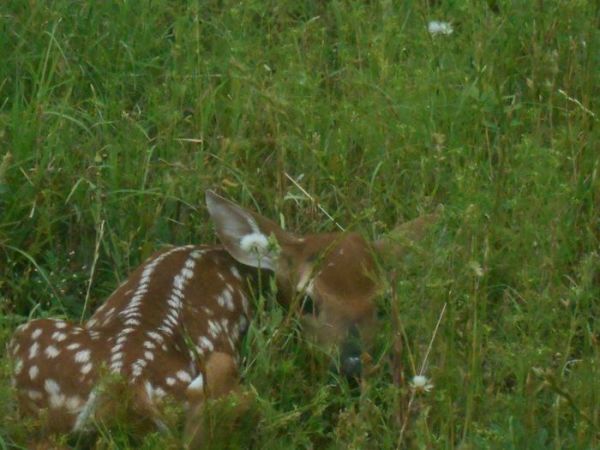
116,116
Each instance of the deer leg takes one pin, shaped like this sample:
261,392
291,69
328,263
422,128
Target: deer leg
220,379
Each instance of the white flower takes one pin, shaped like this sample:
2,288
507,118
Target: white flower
420,383
476,268
436,28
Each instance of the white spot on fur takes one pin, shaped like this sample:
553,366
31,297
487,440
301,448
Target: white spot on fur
213,328
73,404
57,401
85,369
225,300
173,313
206,343
117,348
166,329
33,372
174,302
197,254
137,367
235,272
59,336
60,324
187,273
51,386
18,366
149,355
132,321
36,333
23,327
73,346
51,351
82,356
155,336
141,363
149,345
170,381
184,376
33,350
178,282
34,395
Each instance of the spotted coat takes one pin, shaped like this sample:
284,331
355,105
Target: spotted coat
156,331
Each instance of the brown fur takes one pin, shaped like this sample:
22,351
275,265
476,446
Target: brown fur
171,331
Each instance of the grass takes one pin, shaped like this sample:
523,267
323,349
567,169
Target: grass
118,115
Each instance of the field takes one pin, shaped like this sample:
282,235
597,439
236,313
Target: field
115,117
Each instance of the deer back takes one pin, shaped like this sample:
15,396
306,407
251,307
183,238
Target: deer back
157,333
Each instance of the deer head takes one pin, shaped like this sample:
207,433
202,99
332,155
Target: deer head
337,271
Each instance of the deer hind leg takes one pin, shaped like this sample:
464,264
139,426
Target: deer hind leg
220,379
53,372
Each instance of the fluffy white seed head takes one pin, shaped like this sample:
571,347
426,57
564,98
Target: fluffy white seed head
255,243
435,28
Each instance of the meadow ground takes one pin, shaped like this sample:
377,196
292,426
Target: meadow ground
116,116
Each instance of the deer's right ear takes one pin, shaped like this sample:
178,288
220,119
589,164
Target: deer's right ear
244,234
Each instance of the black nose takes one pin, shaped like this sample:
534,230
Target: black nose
351,367
350,362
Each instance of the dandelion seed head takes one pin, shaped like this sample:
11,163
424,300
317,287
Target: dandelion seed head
420,383
255,243
435,27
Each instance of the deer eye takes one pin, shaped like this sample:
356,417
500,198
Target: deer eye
307,306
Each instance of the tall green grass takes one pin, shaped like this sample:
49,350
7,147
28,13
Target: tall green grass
118,115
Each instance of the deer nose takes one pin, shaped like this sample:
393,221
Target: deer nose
351,367
350,361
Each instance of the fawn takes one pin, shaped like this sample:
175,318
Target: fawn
172,330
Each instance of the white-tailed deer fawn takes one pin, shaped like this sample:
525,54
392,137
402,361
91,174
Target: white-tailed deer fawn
173,328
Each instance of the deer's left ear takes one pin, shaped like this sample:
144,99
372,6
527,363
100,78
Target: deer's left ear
395,244
245,235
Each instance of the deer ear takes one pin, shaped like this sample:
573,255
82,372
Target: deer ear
245,235
395,244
